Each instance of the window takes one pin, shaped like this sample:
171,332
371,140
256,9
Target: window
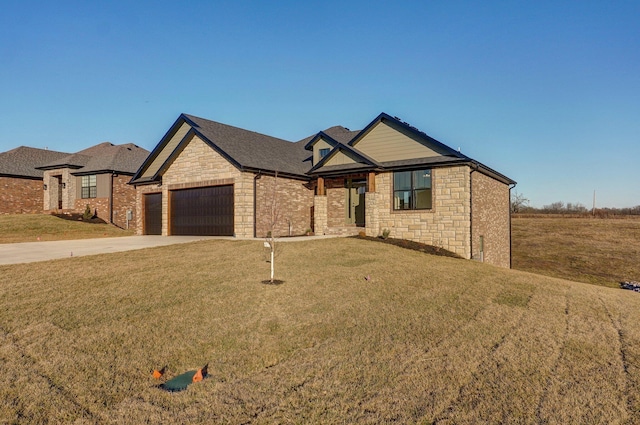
89,188
412,190
324,152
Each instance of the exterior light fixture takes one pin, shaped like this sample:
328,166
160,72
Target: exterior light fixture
64,185
45,187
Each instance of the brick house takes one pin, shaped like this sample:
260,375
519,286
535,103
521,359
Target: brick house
96,176
20,182
209,178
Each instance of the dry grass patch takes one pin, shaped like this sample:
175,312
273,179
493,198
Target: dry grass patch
599,251
30,227
426,340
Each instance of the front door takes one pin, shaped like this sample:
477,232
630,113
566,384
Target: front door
59,192
354,202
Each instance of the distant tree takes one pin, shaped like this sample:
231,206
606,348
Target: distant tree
518,202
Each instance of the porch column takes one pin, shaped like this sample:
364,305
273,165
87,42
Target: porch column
321,186
372,221
320,214
371,182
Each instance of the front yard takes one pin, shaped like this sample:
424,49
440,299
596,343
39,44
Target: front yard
425,339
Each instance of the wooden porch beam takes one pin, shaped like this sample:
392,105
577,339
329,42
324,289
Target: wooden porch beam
320,186
371,182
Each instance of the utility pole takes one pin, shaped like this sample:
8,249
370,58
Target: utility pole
593,210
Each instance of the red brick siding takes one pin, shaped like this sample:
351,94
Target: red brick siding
19,196
335,202
490,219
124,199
294,201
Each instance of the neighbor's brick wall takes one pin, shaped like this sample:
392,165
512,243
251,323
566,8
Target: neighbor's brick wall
124,199
99,207
446,225
19,196
199,165
294,199
490,218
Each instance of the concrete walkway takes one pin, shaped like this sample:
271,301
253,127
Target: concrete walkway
28,252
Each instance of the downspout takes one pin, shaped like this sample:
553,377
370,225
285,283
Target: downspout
511,186
255,180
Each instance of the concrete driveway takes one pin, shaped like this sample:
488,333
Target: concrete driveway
27,252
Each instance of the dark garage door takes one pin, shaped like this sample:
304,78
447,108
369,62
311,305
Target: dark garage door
153,214
202,211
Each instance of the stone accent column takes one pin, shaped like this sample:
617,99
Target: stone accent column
372,222
320,214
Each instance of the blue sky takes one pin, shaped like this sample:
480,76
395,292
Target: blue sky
547,93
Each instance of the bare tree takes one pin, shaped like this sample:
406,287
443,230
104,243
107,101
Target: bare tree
274,218
518,202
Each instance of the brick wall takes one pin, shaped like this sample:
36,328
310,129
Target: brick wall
124,199
294,199
20,196
99,207
335,193
490,219
446,225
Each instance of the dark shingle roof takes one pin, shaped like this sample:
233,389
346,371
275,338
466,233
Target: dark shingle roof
254,150
338,133
22,161
102,157
125,158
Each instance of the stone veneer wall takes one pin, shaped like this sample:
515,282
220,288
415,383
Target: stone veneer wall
196,166
294,199
320,214
18,196
446,225
491,219
50,199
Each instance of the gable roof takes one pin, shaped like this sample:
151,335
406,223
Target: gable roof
337,133
245,149
103,157
251,151
22,161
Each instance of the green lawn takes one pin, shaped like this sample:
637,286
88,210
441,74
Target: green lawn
426,340
44,227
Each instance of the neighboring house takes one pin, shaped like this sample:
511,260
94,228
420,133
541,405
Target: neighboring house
20,182
97,177
209,178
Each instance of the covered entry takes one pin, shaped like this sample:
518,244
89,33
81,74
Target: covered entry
202,211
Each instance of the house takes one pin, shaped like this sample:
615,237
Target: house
209,178
20,182
97,177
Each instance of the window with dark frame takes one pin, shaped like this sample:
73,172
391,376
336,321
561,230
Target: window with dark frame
412,190
89,186
323,152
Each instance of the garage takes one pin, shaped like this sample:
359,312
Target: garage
153,214
202,211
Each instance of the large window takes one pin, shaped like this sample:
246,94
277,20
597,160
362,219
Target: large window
412,190
89,188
